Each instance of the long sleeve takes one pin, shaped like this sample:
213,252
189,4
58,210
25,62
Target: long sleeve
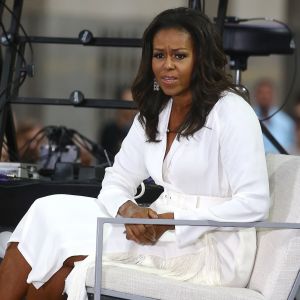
243,160
128,171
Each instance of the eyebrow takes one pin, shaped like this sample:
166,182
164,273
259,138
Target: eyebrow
177,49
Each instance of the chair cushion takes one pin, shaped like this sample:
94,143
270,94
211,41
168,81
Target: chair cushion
278,257
150,285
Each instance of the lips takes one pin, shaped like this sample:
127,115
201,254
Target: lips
169,80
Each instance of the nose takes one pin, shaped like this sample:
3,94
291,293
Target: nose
169,64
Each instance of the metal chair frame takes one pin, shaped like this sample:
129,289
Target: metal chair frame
98,291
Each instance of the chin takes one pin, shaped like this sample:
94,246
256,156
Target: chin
169,92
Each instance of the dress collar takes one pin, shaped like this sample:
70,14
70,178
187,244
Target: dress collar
164,117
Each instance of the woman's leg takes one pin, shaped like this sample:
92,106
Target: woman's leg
14,270
54,287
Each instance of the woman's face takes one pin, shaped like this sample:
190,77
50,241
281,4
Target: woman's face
173,61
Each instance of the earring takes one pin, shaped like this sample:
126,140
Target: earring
155,85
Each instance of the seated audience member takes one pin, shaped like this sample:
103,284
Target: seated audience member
27,140
281,125
4,154
28,147
195,136
30,137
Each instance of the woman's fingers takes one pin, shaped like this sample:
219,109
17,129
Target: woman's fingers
142,234
137,230
144,231
150,233
139,234
130,236
152,214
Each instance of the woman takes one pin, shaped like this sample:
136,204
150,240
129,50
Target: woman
197,138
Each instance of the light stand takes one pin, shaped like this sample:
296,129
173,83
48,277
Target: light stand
243,39
239,64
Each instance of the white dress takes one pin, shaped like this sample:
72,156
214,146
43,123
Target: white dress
218,174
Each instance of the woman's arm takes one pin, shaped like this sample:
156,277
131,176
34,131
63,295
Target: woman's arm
120,183
243,160
128,171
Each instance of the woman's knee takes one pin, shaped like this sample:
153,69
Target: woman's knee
69,262
11,246
52,289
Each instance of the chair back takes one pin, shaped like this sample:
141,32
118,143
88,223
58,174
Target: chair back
278,254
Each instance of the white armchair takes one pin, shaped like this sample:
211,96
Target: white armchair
276,273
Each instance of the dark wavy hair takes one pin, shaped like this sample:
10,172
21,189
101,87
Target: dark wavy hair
208,79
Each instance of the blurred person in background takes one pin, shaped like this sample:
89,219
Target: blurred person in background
28,146
28,140
113,132
31,136
296,114
4,154
281,125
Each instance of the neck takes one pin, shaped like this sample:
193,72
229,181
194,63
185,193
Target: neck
264,111
178,113
181,105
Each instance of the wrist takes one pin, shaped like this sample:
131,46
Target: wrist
127,208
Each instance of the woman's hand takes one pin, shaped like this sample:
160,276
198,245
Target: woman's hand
141,234
161,229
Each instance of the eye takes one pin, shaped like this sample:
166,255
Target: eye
158,55
180,56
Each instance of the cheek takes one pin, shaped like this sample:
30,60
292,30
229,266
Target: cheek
191,70
188,73
155,69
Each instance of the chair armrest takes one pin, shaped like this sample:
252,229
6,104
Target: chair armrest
102,221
